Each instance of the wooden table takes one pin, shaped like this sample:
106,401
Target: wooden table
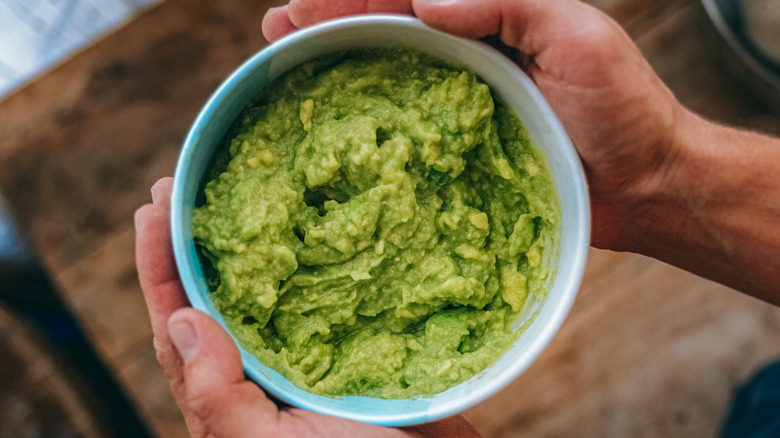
648,350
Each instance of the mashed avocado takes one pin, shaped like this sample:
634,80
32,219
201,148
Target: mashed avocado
376,225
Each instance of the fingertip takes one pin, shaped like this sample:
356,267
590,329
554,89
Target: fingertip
304,13
277,24
161,193
152,231
147,217
139,218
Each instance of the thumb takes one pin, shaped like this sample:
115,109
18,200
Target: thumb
215,389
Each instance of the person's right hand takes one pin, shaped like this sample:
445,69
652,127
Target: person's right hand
620,116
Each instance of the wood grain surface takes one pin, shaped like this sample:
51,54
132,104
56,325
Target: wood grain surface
647,350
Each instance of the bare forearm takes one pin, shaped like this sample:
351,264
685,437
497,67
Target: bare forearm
718,214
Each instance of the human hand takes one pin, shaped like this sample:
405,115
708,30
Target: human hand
203,364
620,116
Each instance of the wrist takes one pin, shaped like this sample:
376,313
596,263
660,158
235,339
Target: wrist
668,209
715,208
625,211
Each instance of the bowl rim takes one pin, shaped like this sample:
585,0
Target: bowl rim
182,244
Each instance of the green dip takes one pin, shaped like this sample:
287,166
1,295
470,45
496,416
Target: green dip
376,225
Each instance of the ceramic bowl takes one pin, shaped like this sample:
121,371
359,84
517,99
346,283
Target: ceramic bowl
505,79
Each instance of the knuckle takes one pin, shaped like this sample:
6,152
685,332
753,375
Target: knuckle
201,403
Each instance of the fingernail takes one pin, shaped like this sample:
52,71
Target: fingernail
185,338
139,220
155,194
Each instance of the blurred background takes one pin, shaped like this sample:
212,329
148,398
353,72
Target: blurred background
38,34
96,98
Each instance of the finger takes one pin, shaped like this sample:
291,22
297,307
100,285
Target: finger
156,268
277,24
162,291
455,427
216,391
161,193
307,12
299,422
528,25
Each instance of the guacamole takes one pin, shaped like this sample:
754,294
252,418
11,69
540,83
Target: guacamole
376,224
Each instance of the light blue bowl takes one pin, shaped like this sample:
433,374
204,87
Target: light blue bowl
514,87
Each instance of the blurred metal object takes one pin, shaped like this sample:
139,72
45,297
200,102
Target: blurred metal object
28,294
743,61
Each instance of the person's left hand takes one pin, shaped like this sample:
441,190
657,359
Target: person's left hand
203,364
